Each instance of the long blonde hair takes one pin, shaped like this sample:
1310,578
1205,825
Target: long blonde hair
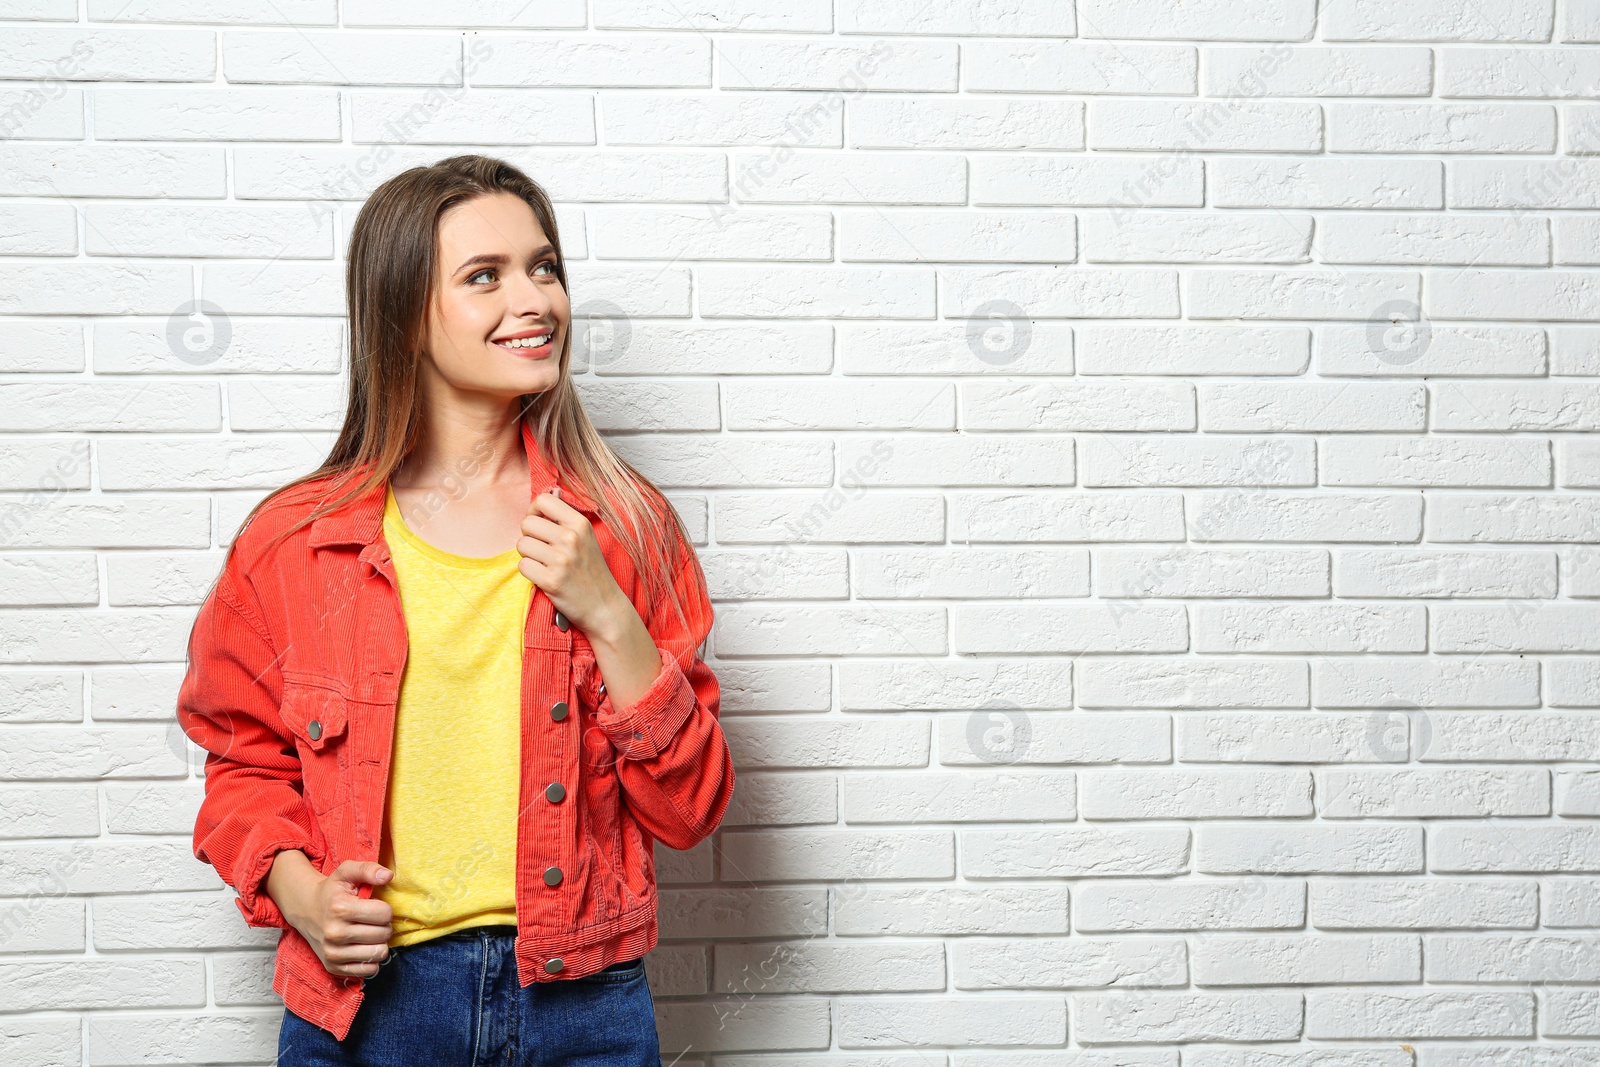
388,284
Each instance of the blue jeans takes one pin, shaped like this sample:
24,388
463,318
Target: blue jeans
453,1001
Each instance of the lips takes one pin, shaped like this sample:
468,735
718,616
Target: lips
543,349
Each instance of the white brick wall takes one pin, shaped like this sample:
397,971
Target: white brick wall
1142,452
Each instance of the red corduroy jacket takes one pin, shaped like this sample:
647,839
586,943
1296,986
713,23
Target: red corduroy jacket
295,662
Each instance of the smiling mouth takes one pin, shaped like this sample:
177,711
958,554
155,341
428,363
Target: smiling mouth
540,344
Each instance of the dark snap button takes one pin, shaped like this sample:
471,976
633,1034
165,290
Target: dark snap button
554,792
561,621
637,735
552,876
553,966
314,728
558,710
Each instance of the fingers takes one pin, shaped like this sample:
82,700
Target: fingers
545,500
356,961
357,929
538,547
551,504
549,544
355,948
360,933
362,872
565,532
360,911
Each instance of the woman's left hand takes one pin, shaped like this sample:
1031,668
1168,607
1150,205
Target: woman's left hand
561,556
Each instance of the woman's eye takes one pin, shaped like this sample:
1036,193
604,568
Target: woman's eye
490,270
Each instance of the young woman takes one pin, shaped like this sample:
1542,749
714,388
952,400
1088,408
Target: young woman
450,684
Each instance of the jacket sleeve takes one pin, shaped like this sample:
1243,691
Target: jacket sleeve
674,766
228,705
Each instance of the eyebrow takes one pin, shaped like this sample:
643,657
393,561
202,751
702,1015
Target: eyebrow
498,259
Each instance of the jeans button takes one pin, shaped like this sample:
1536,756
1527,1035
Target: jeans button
552,876
555,792
554,966
558,710
561,621
314,729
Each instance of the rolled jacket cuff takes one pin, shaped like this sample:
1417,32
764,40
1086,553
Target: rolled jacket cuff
253,901
648,726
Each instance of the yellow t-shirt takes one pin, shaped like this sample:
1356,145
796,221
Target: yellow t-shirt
450,821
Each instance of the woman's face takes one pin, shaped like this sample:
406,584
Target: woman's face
496,281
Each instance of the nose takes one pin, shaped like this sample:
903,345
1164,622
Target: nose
529,298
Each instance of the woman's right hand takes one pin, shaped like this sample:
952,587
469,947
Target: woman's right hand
349,933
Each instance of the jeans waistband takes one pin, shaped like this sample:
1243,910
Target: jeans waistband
485,931
501,935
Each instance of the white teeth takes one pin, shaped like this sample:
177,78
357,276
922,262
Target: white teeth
526,342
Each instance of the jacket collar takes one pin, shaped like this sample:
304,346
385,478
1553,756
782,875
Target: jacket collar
361,520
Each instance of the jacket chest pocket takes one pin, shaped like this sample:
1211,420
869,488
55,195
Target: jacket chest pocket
315,717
